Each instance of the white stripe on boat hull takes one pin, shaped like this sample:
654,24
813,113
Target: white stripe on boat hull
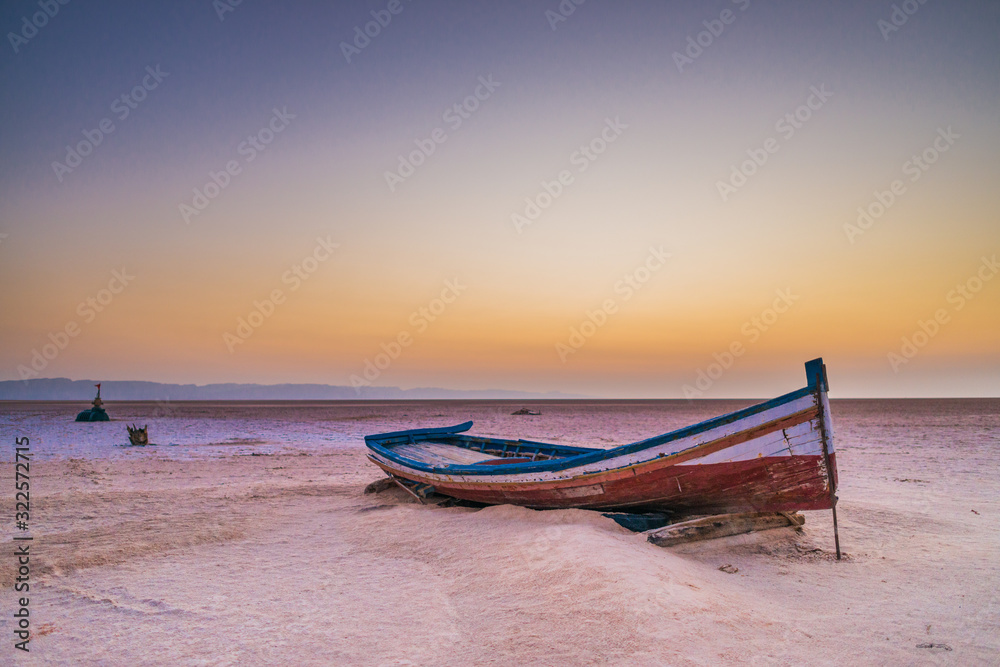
801,440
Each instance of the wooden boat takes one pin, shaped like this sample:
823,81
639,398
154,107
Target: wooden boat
777,456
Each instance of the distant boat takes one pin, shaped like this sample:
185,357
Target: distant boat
526,411
96,413
777,456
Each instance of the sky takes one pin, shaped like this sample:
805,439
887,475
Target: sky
643,199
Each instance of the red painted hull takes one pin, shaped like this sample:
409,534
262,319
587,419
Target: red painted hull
761,485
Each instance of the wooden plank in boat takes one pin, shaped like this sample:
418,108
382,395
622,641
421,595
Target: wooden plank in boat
438,454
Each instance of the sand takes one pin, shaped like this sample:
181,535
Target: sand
282,559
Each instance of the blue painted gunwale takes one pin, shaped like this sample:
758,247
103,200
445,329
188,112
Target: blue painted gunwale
815,372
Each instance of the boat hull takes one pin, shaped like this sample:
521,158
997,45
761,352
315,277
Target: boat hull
758,485
774,457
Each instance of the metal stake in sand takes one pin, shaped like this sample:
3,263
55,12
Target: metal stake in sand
822,385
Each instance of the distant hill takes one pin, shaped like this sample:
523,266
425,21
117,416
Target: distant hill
63,389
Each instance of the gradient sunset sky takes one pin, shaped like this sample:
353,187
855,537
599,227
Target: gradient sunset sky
665,230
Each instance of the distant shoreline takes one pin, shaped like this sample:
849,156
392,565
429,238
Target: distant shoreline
64,389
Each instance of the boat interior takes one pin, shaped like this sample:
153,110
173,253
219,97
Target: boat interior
453,449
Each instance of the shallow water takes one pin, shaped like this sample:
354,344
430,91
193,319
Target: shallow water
195,430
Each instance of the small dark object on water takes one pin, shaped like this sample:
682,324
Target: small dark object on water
96,413
729,569
975,512
944,646
526,411
139,437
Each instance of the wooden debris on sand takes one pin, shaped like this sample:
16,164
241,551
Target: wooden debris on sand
722,525
419,491
139,437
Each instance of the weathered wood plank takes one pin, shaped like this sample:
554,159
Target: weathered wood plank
721,525
438,454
